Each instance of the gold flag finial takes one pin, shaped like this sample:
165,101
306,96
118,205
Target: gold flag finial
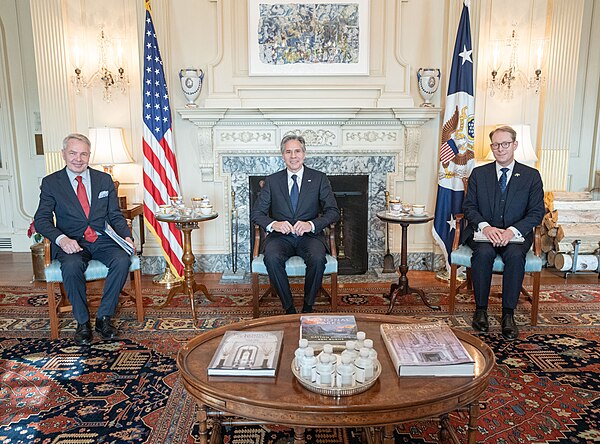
147,2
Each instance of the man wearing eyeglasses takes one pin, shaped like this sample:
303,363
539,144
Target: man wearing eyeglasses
504,202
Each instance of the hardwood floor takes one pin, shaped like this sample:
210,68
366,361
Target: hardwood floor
16,269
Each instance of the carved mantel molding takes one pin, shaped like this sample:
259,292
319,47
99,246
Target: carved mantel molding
331,131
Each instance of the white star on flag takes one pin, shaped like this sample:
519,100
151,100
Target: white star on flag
452,222
465,55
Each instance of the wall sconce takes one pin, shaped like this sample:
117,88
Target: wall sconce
512,77
525,152
108,149
103,75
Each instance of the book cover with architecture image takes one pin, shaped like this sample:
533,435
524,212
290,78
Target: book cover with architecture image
426,350
247,353
334,330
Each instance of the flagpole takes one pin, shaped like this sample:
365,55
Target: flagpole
456,154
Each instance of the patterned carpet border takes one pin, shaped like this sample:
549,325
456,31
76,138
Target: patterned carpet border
545,388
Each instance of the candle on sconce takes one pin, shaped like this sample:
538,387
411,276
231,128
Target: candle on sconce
76,55
119,55
496,55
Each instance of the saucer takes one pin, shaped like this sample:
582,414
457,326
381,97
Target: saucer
166,216
419,215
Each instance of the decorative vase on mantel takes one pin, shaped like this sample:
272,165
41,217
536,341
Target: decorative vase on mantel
429,81
37,261
191,85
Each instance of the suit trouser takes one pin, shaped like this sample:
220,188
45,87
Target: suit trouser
73,267
513,255
279,248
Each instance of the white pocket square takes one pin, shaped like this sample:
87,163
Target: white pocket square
102,194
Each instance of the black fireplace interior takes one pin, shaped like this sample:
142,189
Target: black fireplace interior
351,193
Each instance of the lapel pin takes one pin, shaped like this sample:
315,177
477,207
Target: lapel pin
517,174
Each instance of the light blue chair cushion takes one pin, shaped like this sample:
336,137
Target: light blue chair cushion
294,266
95,270
462,257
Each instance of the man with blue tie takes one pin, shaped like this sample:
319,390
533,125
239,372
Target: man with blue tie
504,202
294,207
75,204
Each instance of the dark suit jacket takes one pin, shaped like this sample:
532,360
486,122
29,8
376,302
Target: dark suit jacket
316,202
59,200
524,199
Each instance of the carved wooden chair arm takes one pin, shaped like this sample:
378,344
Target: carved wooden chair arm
458,218
332,245
47,253
537,241
256,249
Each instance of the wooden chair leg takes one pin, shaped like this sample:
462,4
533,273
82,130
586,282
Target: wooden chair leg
535,299
334,292
137,291
255,298
451,301
52,310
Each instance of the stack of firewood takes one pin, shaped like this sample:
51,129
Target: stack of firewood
571,217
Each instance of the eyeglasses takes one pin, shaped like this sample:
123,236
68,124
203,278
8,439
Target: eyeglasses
504,145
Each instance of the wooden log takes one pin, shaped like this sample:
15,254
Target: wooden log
572,195
549,200
560,234
552,232
578,216
547,243
585,262
550,219
584,247
550,258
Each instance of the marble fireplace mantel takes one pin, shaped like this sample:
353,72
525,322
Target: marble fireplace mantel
344,131
233,144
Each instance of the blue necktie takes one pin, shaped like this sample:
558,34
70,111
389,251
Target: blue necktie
503,179
294,193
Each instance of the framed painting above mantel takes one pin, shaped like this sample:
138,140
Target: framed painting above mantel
308,37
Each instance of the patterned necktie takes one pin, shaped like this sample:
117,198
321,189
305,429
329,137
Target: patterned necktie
294,193
89,235
503,179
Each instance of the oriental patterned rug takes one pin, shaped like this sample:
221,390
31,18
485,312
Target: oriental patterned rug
545,388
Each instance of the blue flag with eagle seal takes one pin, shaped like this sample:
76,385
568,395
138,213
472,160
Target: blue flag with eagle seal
456,156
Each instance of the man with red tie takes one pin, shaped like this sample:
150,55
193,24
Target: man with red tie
75,205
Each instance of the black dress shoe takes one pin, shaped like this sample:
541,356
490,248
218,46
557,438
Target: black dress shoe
509,328
480,321
291,310
307,308
105,328
83,333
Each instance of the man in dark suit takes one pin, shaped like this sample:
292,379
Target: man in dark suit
75,204
294,206
505,201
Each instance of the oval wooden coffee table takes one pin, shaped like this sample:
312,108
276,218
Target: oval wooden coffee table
282,400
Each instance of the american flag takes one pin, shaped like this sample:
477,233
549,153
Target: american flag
160,167
458,133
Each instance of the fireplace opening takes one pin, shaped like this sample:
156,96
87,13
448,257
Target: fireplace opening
351,194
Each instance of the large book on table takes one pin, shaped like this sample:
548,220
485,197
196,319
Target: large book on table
247,353
426,349
328,329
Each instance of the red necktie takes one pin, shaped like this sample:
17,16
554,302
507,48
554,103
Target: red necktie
89,235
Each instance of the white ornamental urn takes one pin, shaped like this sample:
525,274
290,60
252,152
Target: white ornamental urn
429,81
191,84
